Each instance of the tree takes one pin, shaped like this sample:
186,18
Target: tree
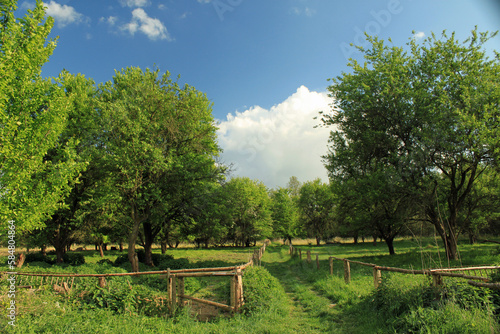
249,206
316,209
285,214
33,114
160,139
422,115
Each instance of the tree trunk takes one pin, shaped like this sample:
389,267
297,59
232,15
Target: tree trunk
121,246
318,240
355,239
132,256
148,243
163,247
390,244
59,253
101,253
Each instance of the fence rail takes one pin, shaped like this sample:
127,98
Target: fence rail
63,283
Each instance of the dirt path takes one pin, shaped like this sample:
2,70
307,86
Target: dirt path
311,312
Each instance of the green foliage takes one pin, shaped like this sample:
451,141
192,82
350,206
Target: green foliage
416,307
285,214
122,297
33,114
248,205
141,255
263,292
316,204
72,259
415,127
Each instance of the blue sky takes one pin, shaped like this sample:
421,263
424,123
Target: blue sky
264,64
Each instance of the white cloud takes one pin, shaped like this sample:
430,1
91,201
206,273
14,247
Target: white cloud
418,35
134,3
204,1
63,14
111,20
309,12
273,145
153,28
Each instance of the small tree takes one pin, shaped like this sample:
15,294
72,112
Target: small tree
316,207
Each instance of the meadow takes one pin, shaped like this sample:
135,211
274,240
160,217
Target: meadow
283,295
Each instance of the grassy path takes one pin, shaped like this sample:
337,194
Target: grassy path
310,312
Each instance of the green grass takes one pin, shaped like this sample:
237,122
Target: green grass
288,296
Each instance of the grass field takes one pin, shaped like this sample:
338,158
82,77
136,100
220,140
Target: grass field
285,295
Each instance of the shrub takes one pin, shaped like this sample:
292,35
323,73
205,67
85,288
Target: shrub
74,259
122,297
105,261
141,255
263,292
38,257
397,295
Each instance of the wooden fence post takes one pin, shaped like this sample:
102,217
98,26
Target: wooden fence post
308,256
102,281
237,291
377,277
437,280
317,261
180,290
331,265
347,272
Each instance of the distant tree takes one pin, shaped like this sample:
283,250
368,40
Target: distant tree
316,207
285,214
33,114
249,206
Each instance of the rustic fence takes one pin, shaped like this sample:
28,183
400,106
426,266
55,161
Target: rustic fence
64,283
479,273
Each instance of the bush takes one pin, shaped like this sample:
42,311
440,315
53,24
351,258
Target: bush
141,255
411,306
122,297
105,261
398,295
74,259
38,257
263,292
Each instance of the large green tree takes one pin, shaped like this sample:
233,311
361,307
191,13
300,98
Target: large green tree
422,114
33,114
161,143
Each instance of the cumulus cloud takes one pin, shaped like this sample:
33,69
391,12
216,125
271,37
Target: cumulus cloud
141,21
273,145
63,14
134,3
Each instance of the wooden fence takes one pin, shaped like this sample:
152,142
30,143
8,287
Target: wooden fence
480,273
176,296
